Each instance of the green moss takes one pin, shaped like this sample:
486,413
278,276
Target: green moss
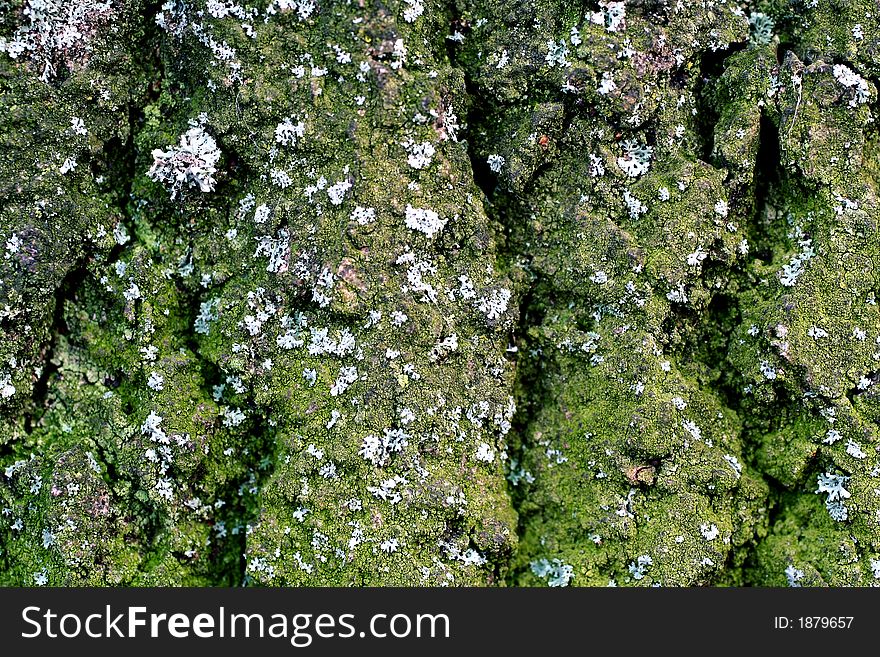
635,373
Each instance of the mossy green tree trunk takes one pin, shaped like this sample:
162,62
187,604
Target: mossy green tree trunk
438,293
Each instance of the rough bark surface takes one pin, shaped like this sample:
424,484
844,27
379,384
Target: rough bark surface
301,292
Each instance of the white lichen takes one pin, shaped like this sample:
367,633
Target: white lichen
192,163
424,220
